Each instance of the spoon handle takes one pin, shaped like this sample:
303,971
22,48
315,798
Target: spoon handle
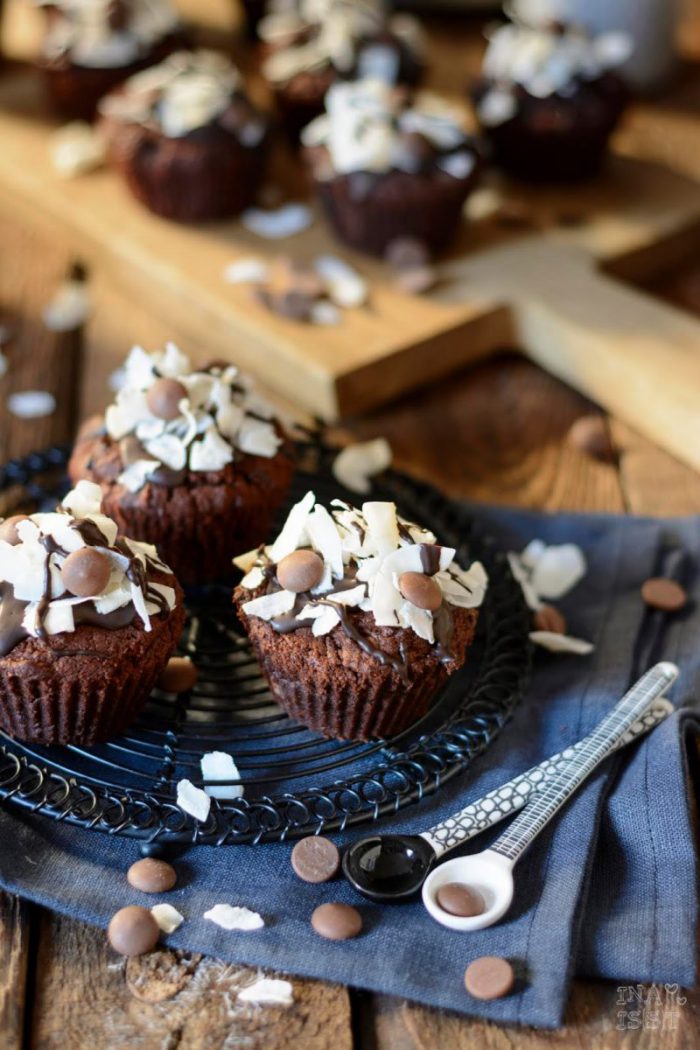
596,747
507,799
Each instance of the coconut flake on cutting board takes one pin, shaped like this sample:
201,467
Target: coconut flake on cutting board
229,917
270,990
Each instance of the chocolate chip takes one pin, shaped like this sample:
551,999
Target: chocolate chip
590,434
315,859
86,572
489,977
336,922
180,675
420,590
151,876
8,529
300,571
133,931
416,281
457,899
549,619
663,594
407,253
164,397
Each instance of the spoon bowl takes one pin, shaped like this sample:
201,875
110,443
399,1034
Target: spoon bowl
388,867
488,874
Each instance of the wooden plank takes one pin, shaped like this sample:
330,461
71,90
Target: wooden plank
87,998
14,963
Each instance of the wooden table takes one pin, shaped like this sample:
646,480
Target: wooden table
496,432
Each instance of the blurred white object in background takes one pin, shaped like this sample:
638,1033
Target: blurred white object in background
651,24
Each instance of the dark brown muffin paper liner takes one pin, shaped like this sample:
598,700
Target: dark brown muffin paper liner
72,690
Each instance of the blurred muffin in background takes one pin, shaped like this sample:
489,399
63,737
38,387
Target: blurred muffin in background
386,171
548,99
311,44
90,46
186,138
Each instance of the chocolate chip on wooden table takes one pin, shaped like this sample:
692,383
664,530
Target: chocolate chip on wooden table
8,528
86,572
457,899
336,922
489,977
315,859
590,434
300,571
664,594
180,675
133,931
421,590
151,875
164,397
549,619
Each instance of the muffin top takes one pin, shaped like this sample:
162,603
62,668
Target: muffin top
351,37
169,418
369,128
105,34
189,90
328,568
542,58
62,569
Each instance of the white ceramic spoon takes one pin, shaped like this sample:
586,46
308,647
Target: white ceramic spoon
490,873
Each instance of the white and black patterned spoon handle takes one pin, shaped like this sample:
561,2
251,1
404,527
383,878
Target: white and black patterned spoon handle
507,799
604,739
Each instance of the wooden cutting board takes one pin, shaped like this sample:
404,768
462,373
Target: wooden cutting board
554,289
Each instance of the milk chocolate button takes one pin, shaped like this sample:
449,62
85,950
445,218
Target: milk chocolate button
8,529
179,676
86,572
133,931
151,876
164,397
549,619
590,434
300,571
336,922
420,590
457,899
489,977
663,594
315,859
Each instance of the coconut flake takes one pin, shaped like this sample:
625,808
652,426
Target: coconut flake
561,643
211,453
218,765
324,312
193,800
69,308
253,578
258,438
268,990
84,500
136,474
168,449
346,287
32,404
229,917
357,463
294,529
167,917
76,148
458,165
555,569
246,271
382,527
279,222
325,538
267,606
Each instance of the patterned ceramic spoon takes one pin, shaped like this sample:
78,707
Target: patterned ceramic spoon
393,868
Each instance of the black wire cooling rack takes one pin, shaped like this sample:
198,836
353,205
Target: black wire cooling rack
295,782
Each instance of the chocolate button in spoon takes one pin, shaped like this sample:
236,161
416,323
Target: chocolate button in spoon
458,899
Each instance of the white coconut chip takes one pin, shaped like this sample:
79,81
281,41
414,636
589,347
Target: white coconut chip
323,618
325,538
267,606
69,308
32,404
167,917
258,438
84,500
555,570
218,765
325,313
76,148
211,453
168,449
193,800
246,271
382,527
229,917
268,990
561,643
136,474
253,578
458,165
346,287
279,222
356,464
294,529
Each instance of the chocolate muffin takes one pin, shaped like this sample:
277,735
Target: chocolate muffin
88,622
384,170
311,44
189,460
91,46
357,617
186,138
547,101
